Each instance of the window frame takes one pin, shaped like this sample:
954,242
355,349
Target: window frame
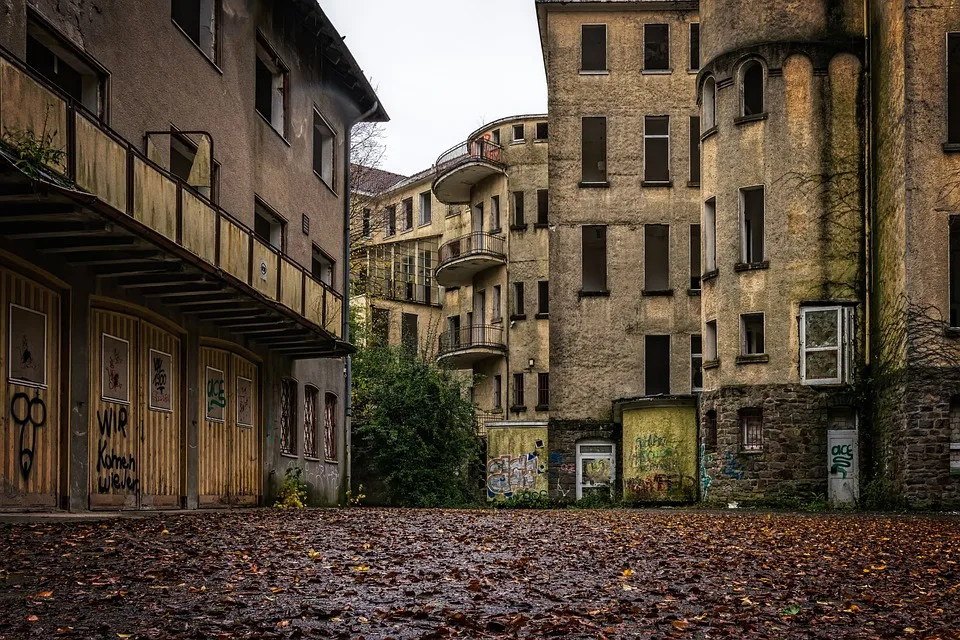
513,134
496,224
543,207
648,232
283,71
605,284
746,318
407,217
708,232
952,132
215,57
844,348
746,246
310,390
666,69
331,183
496,301
582,455
708,106
647,137
694,151
711,341
323,257
517,300
606,48
606,168
543,298
696,257
263,210
425,196
537,129
293,435
333,430
745,66
543,391
696,357
648,339
517,396
690,30
519,209
744,415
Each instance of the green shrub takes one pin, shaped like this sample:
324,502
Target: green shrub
524,500
293,491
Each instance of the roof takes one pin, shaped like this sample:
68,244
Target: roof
373,181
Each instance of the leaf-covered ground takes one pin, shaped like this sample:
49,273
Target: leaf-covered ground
375,573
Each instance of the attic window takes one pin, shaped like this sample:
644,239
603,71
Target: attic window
271,87
66,67
199,21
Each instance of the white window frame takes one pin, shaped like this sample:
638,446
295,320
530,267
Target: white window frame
596,456
696,356
743,224
743,333
844,346
658,136
513,133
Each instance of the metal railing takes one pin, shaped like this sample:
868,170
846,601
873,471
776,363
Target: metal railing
479,149
478,335
481,418
474,243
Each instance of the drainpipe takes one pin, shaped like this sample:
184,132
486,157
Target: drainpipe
347,370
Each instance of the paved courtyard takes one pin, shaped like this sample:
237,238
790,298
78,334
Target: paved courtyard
377,573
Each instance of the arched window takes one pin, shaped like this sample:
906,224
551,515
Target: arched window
751,88
709,104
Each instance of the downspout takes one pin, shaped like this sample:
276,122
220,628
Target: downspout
345,329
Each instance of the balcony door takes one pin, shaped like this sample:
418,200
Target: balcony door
479,304
478,227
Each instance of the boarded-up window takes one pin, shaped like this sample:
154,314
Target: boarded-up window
288,416
497,302
710,234
696,363
751,88
656,47
694,46
656,149
656,259
594,256
751,225
695,149
751,429
657,365
330,427
311,443
593,47
695,268
409,332
593,145
710,430
543,203
953,88
751,334
543,391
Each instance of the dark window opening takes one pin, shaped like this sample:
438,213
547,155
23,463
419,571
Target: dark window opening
496,136
656,365
542,131
710,430
694,46
199,20
518,208
543,297
311,400
593,144
656,258
66,68
543,391
751,225
593,47
330,427
497,392
710,234
752,88
709,104
323,149
696,363
268,227
390,221
495,213
407,205
288,416
695,268
751,429
367,223
271,87
710,343
193,167
518,133
426,207
695,149
656,149
518,390
955,271
322,266
656,47
594,257
751,332
543,205
518,304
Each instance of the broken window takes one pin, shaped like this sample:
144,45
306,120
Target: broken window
542,131
199,21
751,88
593,47
517,309
543,391
67,68
543,297
390,220
594,258
311,398
288,416
656,47
694,150
751,429
192,165
518,391
954,271
656,257
826,344
321,266
380,322
497,314
710,343
710,430
696,363
708,108
955,436
593,149
324,143
408,332
495,213
656,149
426,207
656,365
518,220
367,220
695,268
407,206
543,205
751,334
271,87
268,226
518,133
330,427
751,225
710,234
694,46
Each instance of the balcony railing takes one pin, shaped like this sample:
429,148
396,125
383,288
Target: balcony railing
480,149
472,244
473,337
146,200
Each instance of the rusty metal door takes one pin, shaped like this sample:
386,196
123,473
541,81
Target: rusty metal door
30,475
161,438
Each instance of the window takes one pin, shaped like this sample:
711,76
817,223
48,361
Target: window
380,322
453,327
593,47
517,310
696,363
954,271
367,220
390,220
593,149
407,205
495,213
543,392
656,365
694,46
518,133
656,149
656,47
596,467
695,257
496,136
708,110
408,332
710,237
711,353
543,206
518,209
407,277
426,208
311,399
321,266
751,225
324,143
826,344
66,67
193,165
268,226
710,430
271,87
594,257
953,88
542,131
751,334
518,391
199,21
330,427
288,416
955,436
497,314
694,150
751,88
543,298
497,392
751,429
656,257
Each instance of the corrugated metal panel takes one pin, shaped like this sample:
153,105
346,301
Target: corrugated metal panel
214,447
161,451
246,428
31,396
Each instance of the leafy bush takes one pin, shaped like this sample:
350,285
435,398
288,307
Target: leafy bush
293,491
524,500
355,499
594,500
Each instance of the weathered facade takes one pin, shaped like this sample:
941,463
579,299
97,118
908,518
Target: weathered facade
172,226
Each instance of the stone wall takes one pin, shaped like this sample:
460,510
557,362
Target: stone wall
563,436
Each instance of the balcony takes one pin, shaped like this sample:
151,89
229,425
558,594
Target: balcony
462,348
463,258
96,202
463,166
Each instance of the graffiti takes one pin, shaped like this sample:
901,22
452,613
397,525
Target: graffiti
216,396
842,459
705,479
568,468
115,471
115,376
160,391
28,348
657,484
561,491
29,414
731,466
556,458
244,402
597,472
653,452
507,475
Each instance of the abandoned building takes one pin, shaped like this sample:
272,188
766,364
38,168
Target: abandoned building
173,210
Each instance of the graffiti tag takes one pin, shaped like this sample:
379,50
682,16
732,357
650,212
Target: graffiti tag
842,458
29,414
731,466
507,475
114,470
705,479
215,395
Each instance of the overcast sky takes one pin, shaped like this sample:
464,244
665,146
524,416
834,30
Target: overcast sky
442,68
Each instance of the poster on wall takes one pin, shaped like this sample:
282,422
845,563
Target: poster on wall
160,381
244,402
114,369
216,397
28,346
